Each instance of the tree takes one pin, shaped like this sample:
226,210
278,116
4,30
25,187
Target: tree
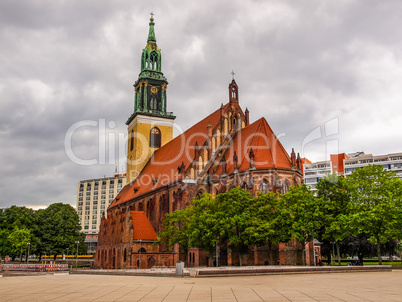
301,214
265,226
203,226
233,215
19,239
176,229
376,195
335,206
59,229
11,218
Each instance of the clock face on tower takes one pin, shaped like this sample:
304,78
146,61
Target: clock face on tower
154,89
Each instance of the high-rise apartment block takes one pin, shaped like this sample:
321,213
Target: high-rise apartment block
93,198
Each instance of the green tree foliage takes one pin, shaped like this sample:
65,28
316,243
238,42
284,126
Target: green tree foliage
203,226
265,225
60,228
301,214
233,217
376,195
335,208
18,239
52,229
11,218
176,229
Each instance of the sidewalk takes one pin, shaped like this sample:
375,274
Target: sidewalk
359,286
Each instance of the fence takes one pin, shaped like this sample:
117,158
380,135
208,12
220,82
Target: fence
34,267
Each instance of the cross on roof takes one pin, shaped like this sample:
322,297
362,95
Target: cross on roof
233,73
152,14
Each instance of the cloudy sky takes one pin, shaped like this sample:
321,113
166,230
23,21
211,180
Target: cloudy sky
325,74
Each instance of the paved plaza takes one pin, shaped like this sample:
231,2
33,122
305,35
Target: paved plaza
372,286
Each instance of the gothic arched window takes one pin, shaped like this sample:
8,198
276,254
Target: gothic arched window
264,186
154,103
234,92
155,138
154,61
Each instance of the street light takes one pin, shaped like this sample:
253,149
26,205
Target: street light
76,259
29,244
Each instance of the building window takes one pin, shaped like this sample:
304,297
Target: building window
132,141
264,186
155,138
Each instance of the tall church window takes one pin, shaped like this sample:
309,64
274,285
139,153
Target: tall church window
132,141
154,103
155,138
153,61
264,186
234,93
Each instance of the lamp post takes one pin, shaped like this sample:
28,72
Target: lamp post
29,244
76,258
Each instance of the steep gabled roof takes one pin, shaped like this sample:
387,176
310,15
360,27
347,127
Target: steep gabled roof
161,168
268,151
142,226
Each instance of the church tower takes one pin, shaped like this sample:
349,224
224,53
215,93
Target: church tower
150,126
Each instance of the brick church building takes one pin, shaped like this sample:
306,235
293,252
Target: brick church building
222,151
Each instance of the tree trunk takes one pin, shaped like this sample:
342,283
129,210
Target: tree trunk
329,256
379,252
240,264
390,259
360,255
304,252
338,251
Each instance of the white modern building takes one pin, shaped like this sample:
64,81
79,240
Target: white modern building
345,164
391,162
93,198
313,172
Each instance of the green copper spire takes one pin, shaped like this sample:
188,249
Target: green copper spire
150,89
151,34
151,56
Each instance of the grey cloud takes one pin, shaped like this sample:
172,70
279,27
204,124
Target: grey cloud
299,64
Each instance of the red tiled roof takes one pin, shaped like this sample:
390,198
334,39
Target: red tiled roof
268,151
142,226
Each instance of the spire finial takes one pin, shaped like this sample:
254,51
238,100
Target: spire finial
151,34
233,73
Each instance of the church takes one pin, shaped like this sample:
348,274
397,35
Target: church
223,150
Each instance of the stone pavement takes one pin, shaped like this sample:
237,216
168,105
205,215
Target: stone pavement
359,286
